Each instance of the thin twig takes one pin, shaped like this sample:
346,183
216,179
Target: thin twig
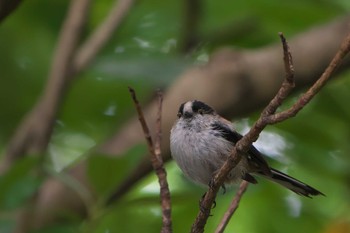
233,207
306,97
267,117
156,159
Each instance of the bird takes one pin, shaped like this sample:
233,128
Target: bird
201,141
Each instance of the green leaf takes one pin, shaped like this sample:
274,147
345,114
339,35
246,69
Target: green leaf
19,183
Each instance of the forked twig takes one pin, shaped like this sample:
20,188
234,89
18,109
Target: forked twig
267,117
156,159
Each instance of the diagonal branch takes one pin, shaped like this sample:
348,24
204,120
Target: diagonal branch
156,159
306,97
243,145
102,34
33,135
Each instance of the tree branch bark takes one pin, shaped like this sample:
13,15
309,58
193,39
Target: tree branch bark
34,132
156,159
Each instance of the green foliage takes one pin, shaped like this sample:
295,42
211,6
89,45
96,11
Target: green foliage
144,54
106,172
18,184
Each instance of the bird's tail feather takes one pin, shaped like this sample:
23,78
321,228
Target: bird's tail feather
292,184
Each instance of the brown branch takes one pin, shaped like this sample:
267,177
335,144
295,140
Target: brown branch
156,159
33,135
232,208
191,20
101,35
306,97
243,145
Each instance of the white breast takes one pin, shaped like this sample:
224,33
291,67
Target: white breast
199,152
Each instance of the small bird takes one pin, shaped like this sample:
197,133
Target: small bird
201,140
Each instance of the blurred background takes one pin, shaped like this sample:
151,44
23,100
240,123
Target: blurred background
90,155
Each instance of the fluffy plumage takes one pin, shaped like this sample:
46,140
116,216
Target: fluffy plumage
201,140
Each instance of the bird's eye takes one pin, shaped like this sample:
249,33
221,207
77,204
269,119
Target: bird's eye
200,111
179,114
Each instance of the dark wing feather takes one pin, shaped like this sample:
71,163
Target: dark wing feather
255,157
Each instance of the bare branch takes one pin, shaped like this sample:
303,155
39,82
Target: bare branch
35,130
306,97
33,134
161,172
243,145
156,159
101,35
232,208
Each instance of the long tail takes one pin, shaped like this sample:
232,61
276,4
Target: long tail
292,184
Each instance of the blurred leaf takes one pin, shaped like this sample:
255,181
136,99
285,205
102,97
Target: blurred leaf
60,228
106,172
19,183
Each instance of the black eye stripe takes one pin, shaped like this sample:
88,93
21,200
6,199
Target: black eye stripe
181,109
198,105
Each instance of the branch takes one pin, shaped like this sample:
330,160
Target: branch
306,97
243,145
236,75
191,20
157,160
233,207
265,119
33,134
101,35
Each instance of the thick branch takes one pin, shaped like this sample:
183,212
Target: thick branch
35,130
101,35
33,135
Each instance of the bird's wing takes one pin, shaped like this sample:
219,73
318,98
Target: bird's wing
254,156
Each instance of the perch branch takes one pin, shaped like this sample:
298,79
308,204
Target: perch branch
266,118
156,159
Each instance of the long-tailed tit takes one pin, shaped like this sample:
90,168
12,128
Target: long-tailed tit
201,141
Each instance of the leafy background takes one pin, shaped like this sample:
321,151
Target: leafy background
145,54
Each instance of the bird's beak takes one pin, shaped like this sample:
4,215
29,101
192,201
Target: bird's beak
187,115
